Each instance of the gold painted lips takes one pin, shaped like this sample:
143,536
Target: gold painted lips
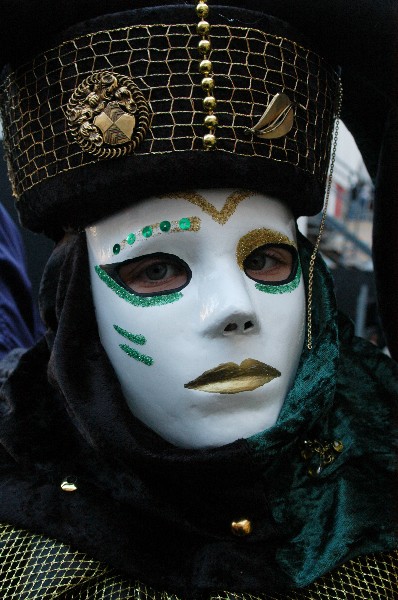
230,378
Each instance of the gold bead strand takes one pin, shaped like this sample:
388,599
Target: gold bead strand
206,69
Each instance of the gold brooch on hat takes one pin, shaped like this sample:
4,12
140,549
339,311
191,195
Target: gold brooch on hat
108,115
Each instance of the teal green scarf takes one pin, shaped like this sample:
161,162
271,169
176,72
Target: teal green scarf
345,391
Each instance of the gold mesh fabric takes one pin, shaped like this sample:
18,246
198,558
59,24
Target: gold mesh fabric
33,567
371,577
249,68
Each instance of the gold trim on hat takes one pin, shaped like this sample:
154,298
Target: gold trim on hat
249,65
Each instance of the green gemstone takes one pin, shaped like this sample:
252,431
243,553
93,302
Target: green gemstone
131,238
165,226
185,224
116,249
147,231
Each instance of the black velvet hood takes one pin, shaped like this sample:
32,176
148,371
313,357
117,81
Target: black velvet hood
162,514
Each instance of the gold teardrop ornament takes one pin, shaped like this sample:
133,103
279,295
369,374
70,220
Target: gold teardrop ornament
68,486
277,120
241,528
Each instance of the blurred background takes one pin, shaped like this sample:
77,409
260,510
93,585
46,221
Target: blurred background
37,247
346,243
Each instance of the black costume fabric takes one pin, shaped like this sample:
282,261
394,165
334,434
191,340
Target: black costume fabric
163,514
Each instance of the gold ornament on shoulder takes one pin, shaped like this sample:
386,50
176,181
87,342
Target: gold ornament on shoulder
108,115
321,454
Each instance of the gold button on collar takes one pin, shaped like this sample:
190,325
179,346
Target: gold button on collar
68,486
241,528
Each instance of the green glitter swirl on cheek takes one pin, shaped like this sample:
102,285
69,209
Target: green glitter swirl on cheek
141,301
136,338
147,360
281,289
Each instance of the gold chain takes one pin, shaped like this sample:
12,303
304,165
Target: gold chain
323,220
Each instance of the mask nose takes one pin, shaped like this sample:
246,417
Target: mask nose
236,327
227,308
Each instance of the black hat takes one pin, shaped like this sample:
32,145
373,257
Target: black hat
159,98
104,104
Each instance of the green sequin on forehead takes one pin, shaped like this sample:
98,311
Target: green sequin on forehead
164,227
257,238
134,299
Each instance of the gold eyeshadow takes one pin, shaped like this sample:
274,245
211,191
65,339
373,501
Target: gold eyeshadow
257,238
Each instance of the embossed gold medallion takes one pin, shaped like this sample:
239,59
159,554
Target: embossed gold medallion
108,115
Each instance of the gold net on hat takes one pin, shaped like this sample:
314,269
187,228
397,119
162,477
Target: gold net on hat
249,68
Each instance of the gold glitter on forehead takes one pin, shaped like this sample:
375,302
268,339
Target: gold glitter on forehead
257,238
220,216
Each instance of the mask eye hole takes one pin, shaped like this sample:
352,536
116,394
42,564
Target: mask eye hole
274,264
151,275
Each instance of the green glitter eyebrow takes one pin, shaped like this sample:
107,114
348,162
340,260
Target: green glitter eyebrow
281,289
136,338
135,300
185,224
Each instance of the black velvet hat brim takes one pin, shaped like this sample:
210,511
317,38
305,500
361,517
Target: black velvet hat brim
105,187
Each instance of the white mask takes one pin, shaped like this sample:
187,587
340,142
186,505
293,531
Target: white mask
204,298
